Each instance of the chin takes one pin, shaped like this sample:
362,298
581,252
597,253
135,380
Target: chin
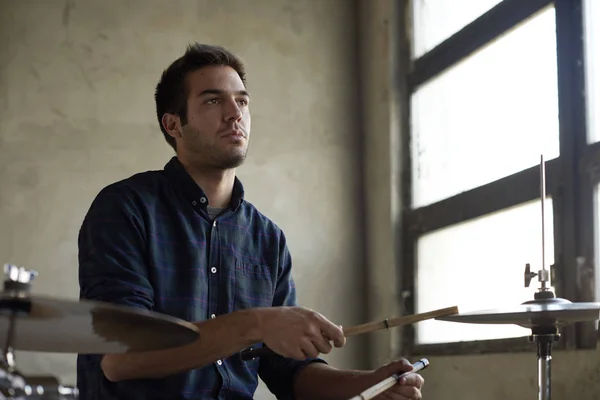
231,165
233,161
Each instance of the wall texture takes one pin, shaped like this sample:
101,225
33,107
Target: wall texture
77,113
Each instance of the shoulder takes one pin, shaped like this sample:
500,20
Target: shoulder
135,186
129,193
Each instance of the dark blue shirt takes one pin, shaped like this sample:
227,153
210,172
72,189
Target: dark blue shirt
149,242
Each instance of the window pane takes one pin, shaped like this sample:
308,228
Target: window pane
479,265
436,20
592,60
597,239
488,117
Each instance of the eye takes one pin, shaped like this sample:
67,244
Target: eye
211,101
243,102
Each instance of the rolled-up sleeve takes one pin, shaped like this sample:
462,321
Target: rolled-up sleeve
112,265
276,371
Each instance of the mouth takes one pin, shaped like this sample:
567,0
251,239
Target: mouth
234,133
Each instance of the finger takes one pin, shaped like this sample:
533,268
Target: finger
322,344
412,380
289,351
309,349
401,366
404,393
389,395
343,341
298,354
333,332
396,367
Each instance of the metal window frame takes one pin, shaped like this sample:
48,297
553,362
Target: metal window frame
570,177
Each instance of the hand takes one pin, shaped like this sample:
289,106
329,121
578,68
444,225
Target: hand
409,387
298,332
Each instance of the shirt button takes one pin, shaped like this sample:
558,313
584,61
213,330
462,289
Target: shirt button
202,200
219,362
194,202
213,316
213,270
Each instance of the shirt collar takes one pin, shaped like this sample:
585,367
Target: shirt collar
183,182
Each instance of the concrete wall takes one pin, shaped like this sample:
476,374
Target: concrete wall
77,113
576,374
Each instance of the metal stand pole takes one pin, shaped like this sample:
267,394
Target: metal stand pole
544,337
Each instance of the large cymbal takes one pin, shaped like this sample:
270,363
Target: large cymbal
535,313
64,326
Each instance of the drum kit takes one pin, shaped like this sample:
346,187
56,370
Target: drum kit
37,323
44,324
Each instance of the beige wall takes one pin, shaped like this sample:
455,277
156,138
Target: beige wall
77,112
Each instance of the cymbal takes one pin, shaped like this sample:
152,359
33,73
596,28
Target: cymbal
48,324
535,313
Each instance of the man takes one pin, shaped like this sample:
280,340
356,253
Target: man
183,241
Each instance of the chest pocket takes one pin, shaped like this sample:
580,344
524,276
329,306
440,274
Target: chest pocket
253,285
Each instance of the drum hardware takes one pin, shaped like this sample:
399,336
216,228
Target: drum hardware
15,386
38,323
17,282
249,354
48,388
544,315
388,383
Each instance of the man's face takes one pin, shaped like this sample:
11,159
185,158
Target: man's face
218,118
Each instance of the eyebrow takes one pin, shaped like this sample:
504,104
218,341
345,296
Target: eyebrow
218,91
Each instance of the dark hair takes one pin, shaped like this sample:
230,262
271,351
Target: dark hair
172,91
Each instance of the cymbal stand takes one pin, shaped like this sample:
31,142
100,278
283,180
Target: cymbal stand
543,275
544,334
17,283
544,337
13,385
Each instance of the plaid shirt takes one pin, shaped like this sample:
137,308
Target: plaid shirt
147,241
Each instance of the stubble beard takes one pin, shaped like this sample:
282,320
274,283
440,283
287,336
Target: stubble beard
213,156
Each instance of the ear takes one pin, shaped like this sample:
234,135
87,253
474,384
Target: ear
172,124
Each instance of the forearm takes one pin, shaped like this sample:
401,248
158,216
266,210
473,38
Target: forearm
219,338
319,381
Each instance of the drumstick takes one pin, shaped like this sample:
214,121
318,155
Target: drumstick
385,384
399,321
387,323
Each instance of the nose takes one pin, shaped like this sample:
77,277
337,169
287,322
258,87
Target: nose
233,112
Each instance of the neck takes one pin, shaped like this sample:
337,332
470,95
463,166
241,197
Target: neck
216,183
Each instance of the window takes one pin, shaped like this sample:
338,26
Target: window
596,231
469,115
489,276
592,67
436,20
592,70
493,84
